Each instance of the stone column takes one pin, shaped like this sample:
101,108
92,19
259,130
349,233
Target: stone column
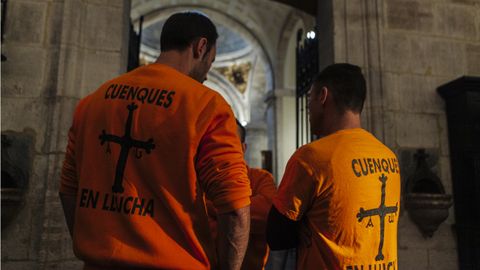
281,104
256,143
358,40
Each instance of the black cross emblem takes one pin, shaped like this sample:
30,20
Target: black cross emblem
381,211
126,143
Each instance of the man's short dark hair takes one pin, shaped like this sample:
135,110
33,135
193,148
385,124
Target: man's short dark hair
181,29
242,132
347,85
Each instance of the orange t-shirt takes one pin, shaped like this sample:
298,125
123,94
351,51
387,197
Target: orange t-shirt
143,152
263,190
345,188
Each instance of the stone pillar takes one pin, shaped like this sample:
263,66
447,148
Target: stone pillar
325,25
256,143
282,103
350,32
57,52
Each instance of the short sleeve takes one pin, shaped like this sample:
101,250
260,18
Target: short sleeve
297,190
221,169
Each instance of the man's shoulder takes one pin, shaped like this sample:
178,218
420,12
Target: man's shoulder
259,173
318,150
339,143
356,142
163,77
261,181
369,142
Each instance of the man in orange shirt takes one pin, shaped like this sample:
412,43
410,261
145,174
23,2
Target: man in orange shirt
144,150
263,190
338,202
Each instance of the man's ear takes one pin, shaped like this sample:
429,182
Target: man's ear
199,47
324,93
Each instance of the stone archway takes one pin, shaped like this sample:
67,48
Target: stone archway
242,72
269,28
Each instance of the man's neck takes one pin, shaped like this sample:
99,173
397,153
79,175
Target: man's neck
347,120
178,60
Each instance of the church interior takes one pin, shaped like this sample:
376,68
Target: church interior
420,58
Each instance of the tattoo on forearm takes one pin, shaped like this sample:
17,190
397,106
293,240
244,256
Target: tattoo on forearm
234,239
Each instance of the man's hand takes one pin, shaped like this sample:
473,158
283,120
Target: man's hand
233,232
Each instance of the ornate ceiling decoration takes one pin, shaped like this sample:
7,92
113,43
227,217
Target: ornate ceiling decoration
233,53
237,74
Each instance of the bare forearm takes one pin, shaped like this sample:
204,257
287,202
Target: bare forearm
68,203
234,228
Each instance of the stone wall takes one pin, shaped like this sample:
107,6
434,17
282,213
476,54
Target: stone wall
57,52
407,48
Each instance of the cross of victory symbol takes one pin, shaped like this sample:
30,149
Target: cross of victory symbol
381,212
126,142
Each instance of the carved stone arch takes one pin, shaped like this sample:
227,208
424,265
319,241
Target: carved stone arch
156,10
285,65
218,83
269,39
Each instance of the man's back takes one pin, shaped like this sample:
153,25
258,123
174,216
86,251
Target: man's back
143,149
347,191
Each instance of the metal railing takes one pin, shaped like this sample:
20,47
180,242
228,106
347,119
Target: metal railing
307,68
